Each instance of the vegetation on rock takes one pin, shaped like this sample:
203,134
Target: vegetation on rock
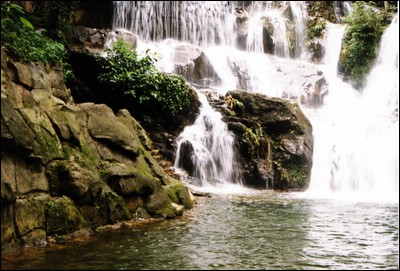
21,40
365,26
24,43
124,72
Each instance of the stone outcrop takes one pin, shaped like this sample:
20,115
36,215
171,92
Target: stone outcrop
194,66
95,41
274,139
66,166
85,61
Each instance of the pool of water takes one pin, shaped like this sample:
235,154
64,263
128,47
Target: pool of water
260,230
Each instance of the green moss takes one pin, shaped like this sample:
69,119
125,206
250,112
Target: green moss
172,192
235,106
105,175
62,216
50,146
167,212
116,207
86,151
66,151
179,194
56,218
85,158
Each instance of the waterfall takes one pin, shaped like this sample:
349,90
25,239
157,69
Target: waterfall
208,23
299,11
356,135
342,9
206,150
196,22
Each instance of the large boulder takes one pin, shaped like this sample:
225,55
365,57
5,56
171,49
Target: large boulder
274,137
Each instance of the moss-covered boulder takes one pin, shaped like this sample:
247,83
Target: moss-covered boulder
274,138
62,216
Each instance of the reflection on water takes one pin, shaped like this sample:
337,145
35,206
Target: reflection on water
262,230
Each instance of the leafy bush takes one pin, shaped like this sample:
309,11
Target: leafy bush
125,73
23,43
363,33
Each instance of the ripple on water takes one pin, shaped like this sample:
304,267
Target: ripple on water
262,230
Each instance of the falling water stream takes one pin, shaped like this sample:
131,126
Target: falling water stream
347,219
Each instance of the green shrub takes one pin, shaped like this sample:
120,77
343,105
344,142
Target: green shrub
360,43
23,43
125,73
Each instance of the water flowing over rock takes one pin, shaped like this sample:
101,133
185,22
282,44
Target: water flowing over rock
274,137
205,150
193,64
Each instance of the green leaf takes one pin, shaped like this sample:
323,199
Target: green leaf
26,22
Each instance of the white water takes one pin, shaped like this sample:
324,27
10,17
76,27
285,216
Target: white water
208,23
196,22
299,11
275,14
342,9
213,157
355,134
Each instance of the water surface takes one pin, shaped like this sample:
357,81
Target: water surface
260,230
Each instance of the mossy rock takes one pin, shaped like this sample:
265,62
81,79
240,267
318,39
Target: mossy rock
127,181
180,194
62,216
159,205
116,207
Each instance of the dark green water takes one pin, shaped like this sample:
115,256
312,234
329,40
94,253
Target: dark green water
258,231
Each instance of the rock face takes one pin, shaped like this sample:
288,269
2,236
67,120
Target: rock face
194,66
65,166
274,138
91,40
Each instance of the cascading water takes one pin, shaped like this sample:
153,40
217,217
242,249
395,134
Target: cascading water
212,161
274,17
354,134
342,9
299,12
196,22
208,23
206,150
